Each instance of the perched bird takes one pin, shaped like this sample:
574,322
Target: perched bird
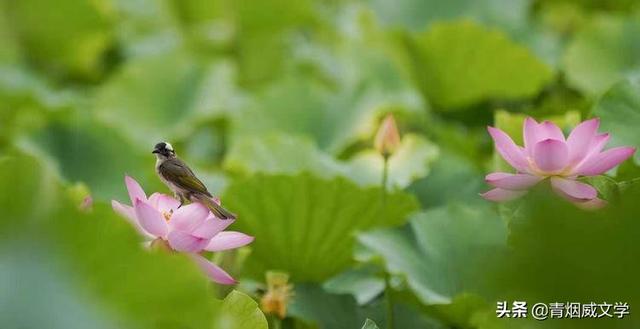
183,182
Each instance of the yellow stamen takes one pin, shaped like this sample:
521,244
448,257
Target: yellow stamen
167,215
278,294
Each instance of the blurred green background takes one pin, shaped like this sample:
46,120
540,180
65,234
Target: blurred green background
274,103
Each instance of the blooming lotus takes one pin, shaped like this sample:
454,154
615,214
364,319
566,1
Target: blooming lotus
548,155
191,229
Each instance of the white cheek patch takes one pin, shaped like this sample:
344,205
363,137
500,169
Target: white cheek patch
168,146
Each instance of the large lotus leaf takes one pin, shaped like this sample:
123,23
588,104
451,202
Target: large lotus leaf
10,51
461,63
558,251
321,309
470,311
301,106
147,27
314,305
149,96
68,38
339,99
418,14
627,172
84,150
452,179
239,311
278,153
26,190
264,30
605,51
364,282
44,293
258,32
23,89
162,97
304,225
596,5
92,260
26,100
444,251
619,111
290,106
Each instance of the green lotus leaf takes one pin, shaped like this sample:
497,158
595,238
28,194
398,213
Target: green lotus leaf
444,251
602,53
91,260
68,38
240,311
461,63
619,113
304,225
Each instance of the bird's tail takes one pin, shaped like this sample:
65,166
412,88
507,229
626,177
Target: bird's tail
215,208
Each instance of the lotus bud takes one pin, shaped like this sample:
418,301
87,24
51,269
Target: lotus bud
387,139
278,295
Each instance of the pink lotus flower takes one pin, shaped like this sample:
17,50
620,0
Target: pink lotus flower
547,154
190,229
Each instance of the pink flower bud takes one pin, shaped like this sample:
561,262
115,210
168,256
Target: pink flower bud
387,139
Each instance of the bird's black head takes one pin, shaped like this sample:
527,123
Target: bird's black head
164,149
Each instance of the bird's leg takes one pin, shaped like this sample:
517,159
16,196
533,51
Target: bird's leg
182,200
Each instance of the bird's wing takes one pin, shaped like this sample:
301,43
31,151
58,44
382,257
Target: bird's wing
178,173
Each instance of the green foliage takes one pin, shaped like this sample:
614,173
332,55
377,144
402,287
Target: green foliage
277,153
452,180
136,286
257,31
364,283
239,311
627,174
280,153
443,251
604,52
548,233
619,111
411,161
595,5
10,52
275,104
416,14
336,92
462,63
301,106
318,308
68,39
33,186
369,324
314,305
146,98
304,225
79,148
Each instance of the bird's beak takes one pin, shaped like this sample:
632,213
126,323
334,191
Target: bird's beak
155,151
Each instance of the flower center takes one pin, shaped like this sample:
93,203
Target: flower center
564,172
167,215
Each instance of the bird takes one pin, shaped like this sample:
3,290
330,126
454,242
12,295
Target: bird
174,173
